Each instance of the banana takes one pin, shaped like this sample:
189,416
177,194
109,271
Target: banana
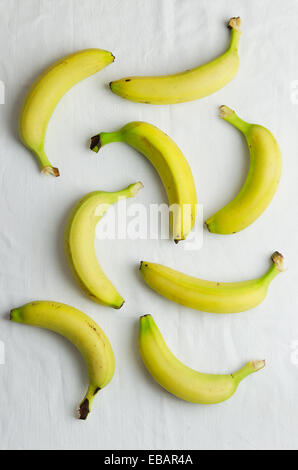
186,86
261,182
180,380
171,165
208,296
83,332
79,244
46,92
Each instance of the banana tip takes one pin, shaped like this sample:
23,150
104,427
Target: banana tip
117,307
84,410
278,260
258,365
178,240
235,23
142,317
49,170
95,143
225,112
207,225
15,315
143,264
135,188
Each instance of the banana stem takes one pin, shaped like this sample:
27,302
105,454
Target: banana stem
99,140
85,407
131,190
271,273
249,368
230,116
46,166
276,267
235,26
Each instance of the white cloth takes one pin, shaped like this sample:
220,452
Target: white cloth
44,378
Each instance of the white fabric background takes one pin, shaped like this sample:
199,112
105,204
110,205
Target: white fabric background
44,377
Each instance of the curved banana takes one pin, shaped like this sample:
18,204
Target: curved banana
180,380
261,182
186,86
46,92
79,244
171,165
208,296
83,332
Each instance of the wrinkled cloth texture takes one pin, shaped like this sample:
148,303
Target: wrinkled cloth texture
44,378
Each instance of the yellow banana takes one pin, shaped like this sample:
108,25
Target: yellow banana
208,296
171,165
180,380
186,86
261,182
46,92
83,332
79,244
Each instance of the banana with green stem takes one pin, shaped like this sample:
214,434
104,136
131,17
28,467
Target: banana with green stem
83,332
180,380
171,165
261,183
185,86
46,92
79,244
210,296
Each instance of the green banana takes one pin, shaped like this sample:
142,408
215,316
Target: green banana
46,92
171,165
208,296
79,244
261,182
186,86
83,332
180,380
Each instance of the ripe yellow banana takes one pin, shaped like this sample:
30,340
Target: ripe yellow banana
186,86
171,165
208,296
46,92
180,380
261,182
83,332
79,244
